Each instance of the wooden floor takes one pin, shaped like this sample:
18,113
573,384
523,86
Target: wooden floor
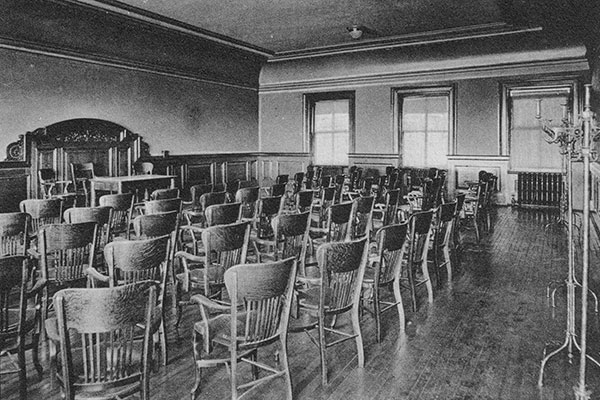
483,338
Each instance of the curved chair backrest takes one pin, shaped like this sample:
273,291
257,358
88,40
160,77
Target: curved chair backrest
42,212
107,321
14,234
208,199
198,190
122,205
153,225
291,233
304,199
223,214
164,205
391,240
101,215
224,246
342,266
267,208
67,251
362,217
161,194
420,226
282,179
265,293
278,189
247,197
460,201
137,260
146,168
391,206
339,221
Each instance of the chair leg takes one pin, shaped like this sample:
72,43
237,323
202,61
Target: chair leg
285,367
356,330
427,279
197,345
35,354
376,309
163,342
323,350
411,283
22,371
448,261
399,305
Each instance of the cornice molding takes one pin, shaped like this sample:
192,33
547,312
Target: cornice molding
141,15
115,62
445,74
414,39
493,158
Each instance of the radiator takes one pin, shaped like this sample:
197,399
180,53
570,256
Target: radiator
539,189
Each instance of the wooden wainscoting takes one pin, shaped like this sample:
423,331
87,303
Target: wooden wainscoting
14,186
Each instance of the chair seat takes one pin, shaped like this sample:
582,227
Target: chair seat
196,275
310,298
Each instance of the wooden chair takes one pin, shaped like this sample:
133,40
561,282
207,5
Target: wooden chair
192,210
20,304
122,205
442,237
362,217
42,212
154,225
385,214
161,194
257,316
80,176
290,239
14,234
456,237
415,270
337,227
304,200
277,189
65,253
267,208
102,216
163,205
384,271
95,334
282,179
206,200
321,205
472,209
144,168
132,261
247,197
342,266
224,246
216,214
49,182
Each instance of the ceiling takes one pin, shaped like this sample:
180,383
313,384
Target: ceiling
288,26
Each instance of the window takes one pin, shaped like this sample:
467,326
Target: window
424,126
527,108
330,120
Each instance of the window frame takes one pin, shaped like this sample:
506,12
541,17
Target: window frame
506,88
398,94
309,100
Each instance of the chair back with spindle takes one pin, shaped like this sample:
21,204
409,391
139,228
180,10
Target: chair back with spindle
268,207
67,251
248,197
223,214
161,194
420,226
362,217
122,205
265,293
101,215
164,205
445,218
42,212
304,200
153,225
14,234
99,345
225,246
338,222
291,233
391,240
277,189
342,266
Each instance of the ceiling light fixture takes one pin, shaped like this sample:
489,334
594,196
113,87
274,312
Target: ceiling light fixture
355,31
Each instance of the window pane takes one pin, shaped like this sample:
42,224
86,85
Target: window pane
425,124
331,136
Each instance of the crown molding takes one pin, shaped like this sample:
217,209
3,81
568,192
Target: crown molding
115,62
139,14
440,74
413,39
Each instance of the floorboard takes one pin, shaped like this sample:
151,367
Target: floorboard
483,338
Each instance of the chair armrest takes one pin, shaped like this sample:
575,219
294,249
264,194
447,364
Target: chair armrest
33,253
37,288
189,257
204,301
97,276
